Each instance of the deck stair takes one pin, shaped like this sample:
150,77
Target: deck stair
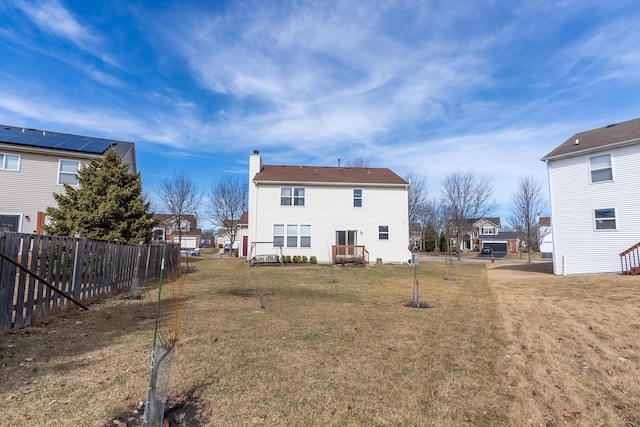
630,260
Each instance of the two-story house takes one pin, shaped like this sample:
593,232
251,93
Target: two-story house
169,229
487,233
327,212
595,198
34,164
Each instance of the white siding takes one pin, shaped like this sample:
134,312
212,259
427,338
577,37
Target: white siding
578,247
330,208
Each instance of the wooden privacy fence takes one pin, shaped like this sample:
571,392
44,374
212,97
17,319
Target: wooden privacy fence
83,269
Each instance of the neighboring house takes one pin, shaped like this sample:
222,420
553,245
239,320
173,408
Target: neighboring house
486,233
224,232
416,237
169,231
34,164
545,237
594,191
327,212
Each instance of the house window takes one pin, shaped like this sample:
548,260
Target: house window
605,218
278,235
383,232
292,195
601,169
292,236
9,162
11,222
68,172
488,230
305,236
357,197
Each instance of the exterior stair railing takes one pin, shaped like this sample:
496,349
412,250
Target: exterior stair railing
630,260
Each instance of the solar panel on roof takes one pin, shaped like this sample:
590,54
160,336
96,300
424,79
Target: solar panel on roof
37,138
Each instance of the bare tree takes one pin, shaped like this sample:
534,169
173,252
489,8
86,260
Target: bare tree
465,196
418,193
227,203
526,204
180,196
433,221
358,162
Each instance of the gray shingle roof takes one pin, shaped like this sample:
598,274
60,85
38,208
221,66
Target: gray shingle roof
613,135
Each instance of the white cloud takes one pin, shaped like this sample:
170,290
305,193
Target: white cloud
51,16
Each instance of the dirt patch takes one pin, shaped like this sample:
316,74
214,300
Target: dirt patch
180,411
245,292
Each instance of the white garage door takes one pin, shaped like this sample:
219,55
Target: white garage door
187,242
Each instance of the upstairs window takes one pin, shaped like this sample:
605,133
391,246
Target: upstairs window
68,172
383,232
357,197
10,162
601,169
488,230
605,218
292,196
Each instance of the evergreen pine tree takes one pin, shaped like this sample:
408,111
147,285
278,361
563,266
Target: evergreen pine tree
107,204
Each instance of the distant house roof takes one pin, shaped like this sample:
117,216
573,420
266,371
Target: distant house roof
613,135
544,221
493,220
163,218
503,235
324,174
45,139
244,219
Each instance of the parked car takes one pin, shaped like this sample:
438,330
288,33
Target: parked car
486,250
189,252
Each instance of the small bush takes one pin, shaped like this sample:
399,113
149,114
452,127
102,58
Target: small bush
277,258
219,245
304,259
313,260
287,259
296,259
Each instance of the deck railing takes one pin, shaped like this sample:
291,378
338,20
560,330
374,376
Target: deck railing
349,254
630,260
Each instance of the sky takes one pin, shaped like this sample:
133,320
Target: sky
427,87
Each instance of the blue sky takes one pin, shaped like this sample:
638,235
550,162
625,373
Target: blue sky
425,87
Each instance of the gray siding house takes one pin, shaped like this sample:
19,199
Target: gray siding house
34,164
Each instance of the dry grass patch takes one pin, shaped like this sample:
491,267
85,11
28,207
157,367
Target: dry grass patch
348,353
573,346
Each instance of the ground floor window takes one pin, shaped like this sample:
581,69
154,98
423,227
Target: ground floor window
296,235
605,219
305,236
292,236
278,235
10,222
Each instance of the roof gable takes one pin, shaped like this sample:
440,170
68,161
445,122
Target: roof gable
479,222
613,135
324,174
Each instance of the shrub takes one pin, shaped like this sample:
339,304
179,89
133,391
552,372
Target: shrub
304,259
287,259
219,245
296,259
313,260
